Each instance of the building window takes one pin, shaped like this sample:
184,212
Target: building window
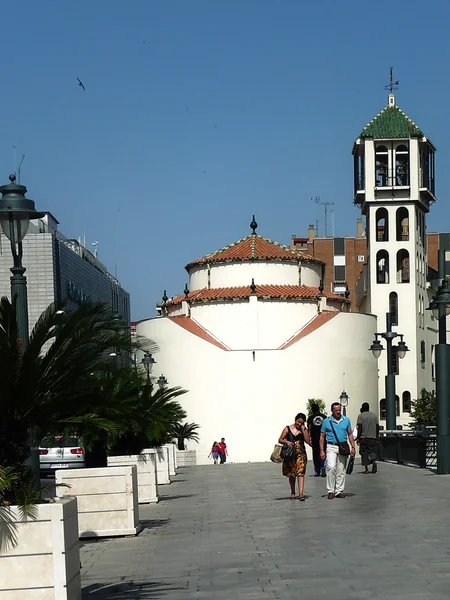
422,353
382,266
381,166
401,165
393,307
339,273
406,402
358,158
382,219
403,266
402,227
383,407
395,362
426,162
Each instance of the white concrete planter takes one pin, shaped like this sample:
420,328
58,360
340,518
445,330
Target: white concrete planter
186,458
171,450
45,564
107,500
162,464
146,473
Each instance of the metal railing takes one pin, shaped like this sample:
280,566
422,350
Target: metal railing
416,448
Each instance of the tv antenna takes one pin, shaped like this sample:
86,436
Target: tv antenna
95,244
325,206
393,85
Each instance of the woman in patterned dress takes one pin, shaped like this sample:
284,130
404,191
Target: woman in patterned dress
295,469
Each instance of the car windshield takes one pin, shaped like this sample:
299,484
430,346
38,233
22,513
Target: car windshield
59,441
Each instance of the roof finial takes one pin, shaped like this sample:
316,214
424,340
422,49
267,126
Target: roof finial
253,285
254,226
393,85
186,291
164,298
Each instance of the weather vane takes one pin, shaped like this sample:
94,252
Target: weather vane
393,85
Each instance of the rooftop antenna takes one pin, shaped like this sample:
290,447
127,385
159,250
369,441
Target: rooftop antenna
95,244
332,222
18,169
317,227
325,206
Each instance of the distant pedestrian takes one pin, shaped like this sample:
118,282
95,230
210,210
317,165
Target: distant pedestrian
314,426
295,468
223,452
214,452
368,437
336,430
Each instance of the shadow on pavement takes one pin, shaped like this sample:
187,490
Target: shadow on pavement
133,590
175,497
153,523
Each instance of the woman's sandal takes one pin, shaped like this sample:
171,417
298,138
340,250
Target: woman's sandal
302,498
291,497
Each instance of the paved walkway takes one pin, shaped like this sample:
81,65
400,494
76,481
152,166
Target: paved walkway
230,533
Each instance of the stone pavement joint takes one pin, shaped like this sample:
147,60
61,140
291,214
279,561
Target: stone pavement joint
230,532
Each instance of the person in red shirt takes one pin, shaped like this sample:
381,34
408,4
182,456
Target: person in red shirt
223,452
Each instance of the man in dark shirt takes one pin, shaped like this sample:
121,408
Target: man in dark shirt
314,426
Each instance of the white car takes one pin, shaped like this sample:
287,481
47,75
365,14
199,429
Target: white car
58,452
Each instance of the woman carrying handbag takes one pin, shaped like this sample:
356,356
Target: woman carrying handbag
293,438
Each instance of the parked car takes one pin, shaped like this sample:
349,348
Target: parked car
59,452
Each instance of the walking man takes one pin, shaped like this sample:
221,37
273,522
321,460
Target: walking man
368,437
223,452
314,427
336,430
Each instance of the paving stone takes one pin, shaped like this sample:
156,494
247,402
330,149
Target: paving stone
231,532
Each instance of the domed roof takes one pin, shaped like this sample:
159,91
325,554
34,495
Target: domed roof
253,248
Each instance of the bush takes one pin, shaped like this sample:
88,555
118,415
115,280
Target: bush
320,402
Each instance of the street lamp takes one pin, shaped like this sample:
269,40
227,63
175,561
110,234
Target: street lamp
440,305
401,349
162,382
343,399
15,214
148,361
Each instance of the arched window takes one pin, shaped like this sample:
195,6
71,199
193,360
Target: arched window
401,165
402,225
403,266
422,352
382,266
383,408
382,219
406,402
381,166
393,307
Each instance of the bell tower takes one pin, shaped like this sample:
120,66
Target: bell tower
395,186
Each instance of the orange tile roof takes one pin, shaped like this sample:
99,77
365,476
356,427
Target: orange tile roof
287,292
314,324
253,247
193,327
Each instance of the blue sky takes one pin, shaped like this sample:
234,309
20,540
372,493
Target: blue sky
199,113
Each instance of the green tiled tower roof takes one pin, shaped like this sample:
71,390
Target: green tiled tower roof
391,122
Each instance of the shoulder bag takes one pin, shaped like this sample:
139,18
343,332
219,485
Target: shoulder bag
276,454
288,452
344,448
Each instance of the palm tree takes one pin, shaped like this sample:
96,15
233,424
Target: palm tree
185,431
54,381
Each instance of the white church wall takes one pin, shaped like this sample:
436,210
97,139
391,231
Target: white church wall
249,396
311,274
242,273
254,324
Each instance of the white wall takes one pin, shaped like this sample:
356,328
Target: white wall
242,273
246,395
255,323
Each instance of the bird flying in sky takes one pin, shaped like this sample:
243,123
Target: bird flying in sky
80,83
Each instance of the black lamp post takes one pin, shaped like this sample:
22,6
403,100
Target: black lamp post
401,349
15,214
343,399
148,361
440,305
162,382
